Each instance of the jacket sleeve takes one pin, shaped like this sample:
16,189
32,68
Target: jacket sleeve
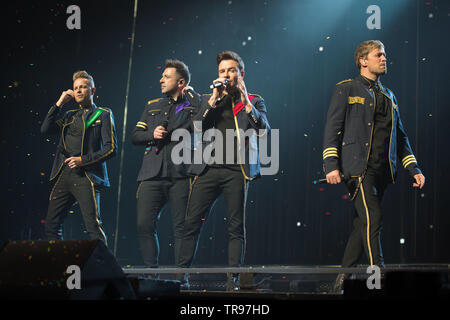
404,151
258,116
109,141
334,129
143,131
52,123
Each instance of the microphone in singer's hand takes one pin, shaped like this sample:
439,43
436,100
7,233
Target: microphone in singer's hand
219,84
324,180
320,181
160,143
164,124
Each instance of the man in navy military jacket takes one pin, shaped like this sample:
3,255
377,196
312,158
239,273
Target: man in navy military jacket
228,171
87,140
160,180
363,142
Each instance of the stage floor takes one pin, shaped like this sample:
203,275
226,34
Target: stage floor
289,282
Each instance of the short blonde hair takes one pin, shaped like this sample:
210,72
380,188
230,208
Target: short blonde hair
364,49
83,74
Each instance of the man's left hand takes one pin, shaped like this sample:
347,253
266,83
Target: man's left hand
183,92
73,162
420,181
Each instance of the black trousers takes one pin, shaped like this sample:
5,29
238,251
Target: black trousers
205,189
367,224
152,196
72,186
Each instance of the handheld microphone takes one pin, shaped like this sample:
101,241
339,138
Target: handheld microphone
324,180
218,84
160,143
320,181
164,124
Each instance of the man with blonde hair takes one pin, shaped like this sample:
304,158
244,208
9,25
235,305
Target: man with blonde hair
363,142
87,140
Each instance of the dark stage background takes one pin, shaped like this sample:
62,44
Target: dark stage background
295,52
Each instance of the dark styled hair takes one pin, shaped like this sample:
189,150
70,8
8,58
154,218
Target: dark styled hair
230,55
181,68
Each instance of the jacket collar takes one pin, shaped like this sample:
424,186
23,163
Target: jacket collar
178,101
88,110
369,83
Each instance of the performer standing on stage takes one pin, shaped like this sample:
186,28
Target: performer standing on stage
363,142
87,140
228,107
160,181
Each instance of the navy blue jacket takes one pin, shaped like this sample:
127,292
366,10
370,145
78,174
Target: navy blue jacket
256,119
99,142
156,112
349,129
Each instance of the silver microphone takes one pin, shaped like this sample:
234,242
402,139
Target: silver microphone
218,84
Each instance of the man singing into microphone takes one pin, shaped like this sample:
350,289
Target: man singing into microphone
160,180
363,142
87,140
228,107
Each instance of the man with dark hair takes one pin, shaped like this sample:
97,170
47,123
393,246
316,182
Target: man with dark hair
228,108
363,142
87,140
160,180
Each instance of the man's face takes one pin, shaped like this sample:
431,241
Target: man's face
83,91
229,69
170,81
376,61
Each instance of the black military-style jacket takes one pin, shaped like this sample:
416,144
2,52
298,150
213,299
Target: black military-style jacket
256,119
156,113
99,142
349,128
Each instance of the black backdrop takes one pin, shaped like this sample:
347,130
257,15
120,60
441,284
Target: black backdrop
294,51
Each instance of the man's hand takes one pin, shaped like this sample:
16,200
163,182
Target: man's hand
66,96
183,92
244,95
334,177
73,162
420,181
160,132
217,92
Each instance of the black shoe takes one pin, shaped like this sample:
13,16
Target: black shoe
232,282
339,284
184,280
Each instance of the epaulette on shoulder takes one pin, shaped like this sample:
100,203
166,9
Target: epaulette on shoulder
344,81
152,101
254,94
104,109
206,94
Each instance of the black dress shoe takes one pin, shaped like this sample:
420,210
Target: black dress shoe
339,284
184,280
232,282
